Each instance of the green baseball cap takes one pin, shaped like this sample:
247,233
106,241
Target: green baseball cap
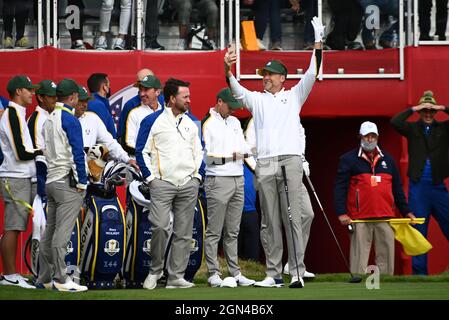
226,95
83,94
149,82
66,87
19,82
47,88
427,97
274,66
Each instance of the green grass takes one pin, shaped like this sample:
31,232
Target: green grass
325,286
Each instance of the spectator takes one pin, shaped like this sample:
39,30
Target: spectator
105,20
169,153
16,173
310,9
15,10
424,9
152,26
388,8
428,146
207,9
100,87
347,18
368,186
268,11
76,29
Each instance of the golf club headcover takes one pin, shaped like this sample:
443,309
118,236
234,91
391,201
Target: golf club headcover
41,173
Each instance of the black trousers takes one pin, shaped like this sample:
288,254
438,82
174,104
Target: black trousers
249,236
424,8
18,10
347,17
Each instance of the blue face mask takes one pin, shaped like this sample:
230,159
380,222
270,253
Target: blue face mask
368,146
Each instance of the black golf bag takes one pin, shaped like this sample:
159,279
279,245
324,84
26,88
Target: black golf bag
103,234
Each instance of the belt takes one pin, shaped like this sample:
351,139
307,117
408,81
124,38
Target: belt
284,157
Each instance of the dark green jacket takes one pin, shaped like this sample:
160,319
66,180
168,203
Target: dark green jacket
434,146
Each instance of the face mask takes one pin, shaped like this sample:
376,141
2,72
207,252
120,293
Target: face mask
368,146
108,94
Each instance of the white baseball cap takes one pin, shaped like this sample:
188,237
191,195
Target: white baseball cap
368,127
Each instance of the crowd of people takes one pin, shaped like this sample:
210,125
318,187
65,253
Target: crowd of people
45,156
355,24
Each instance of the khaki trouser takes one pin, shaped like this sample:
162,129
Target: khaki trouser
361,240
225,198
270,185
63,207
166,197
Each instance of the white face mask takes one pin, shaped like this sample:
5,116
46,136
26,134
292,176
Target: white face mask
368,146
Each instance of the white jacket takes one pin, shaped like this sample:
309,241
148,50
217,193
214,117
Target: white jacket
36,125
94,131
169,147
223,137
276,116
16,144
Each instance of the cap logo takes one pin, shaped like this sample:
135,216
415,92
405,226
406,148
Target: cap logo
84,88
269,64
53,85
29,79
145,79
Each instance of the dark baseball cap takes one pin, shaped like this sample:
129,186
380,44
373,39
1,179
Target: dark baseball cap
19,82
66,87
226,95
47,88
83,94
149,82
274,66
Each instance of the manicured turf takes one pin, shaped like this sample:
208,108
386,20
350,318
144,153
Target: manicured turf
401,289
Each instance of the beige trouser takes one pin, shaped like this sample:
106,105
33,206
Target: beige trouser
361,240
225,198
273,202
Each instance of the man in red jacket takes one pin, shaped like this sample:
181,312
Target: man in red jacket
368,186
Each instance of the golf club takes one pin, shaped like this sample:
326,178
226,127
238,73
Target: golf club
354,278
297,283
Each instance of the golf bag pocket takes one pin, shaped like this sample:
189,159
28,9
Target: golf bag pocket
103,242
138,257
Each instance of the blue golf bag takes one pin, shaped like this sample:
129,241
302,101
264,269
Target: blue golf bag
103,234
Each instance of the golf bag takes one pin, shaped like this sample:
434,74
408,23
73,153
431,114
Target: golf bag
103,234
138,251
72,258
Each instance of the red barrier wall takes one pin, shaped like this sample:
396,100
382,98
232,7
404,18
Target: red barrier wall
331,116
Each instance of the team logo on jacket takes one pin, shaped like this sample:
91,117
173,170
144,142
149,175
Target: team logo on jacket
147,247
112,247
69,248
384,165
284,100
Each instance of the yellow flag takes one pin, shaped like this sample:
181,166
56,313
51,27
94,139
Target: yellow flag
413,242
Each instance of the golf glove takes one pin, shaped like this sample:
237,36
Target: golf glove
318,28
305,166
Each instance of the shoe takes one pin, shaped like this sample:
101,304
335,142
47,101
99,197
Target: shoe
22,43
101,43
385,44
179,284
243,281
300,282
151,280
8,43
182,44
78,45
15,280
215,281
308,275
442,38
424,37
354,45
261,45
154,45
68,286
48,285
119,44
276,46
370,45
229,282
309,46
269,282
